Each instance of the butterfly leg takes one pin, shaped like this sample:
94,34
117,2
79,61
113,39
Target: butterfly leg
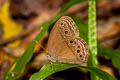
52,59
56,57
52,66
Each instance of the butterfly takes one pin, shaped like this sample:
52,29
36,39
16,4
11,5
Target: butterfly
65,45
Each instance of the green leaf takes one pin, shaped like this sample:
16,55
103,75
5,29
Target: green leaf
17,68
114,55
69,4
49,69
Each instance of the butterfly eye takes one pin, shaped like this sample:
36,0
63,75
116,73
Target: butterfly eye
62,24
80,55
78,46
66,32
78,51
71,41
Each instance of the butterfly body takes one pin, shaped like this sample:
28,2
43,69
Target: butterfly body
65,45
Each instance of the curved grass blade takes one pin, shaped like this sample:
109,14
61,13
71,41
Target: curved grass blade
49,69
67,6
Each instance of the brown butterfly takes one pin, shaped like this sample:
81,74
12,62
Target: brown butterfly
65,45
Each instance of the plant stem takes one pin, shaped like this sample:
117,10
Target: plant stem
92,37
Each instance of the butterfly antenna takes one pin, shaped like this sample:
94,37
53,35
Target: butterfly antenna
40,45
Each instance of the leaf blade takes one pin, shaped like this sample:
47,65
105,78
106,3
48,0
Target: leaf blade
43,73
